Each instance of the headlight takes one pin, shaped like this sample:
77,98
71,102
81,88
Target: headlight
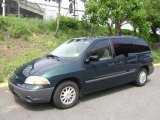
36,80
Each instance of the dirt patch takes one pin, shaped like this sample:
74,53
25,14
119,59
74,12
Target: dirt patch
12,48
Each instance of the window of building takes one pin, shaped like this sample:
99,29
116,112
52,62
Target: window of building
71,4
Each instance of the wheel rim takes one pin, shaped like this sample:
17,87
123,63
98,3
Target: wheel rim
142,77
68,95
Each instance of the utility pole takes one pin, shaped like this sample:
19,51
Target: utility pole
4,8
74,2
19,10
45,12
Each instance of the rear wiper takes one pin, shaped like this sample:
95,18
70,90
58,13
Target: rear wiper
53,56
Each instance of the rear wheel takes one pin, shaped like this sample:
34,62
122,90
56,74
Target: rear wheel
66,95
142,77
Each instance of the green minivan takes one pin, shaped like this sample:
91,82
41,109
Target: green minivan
81,66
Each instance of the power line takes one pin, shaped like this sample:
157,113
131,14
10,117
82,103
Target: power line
57,7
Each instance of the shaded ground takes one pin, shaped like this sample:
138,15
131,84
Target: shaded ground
125,102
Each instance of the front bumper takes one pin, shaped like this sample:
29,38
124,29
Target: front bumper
31,96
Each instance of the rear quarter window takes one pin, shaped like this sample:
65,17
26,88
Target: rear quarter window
140,45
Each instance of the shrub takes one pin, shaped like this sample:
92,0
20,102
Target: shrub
2,25
69,22
17,30
52,25
156,56
1,38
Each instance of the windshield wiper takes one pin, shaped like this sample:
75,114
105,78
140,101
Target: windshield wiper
53,56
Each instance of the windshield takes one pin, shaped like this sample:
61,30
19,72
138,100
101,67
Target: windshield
71,48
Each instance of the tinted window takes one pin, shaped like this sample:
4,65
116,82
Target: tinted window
140,45
123,47
102,49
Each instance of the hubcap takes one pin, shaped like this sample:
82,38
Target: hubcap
142,77
68,95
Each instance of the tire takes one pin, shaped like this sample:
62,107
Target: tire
66,95
141,77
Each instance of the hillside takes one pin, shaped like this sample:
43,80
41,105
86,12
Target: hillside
22,40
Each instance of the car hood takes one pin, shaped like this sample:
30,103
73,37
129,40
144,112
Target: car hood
39,65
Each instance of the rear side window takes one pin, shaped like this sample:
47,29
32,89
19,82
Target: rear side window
123,47
102,49
140,46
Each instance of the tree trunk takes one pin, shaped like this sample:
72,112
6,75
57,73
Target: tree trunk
118,29
58,16
110,29
154,30
134,29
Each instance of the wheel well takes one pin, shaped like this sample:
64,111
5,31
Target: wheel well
75,80
146,67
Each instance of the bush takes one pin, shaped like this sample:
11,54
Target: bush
52,25
1,38
156,56
69,22
17,30
2,25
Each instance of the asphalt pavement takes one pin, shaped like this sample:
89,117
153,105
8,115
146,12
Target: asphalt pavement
126,102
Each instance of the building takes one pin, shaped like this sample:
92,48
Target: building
23,8
70,8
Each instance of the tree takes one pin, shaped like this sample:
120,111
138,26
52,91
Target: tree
153,7
58,14
117,12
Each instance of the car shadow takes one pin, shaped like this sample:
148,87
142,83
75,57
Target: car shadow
36,106
108,91
105,92
49,106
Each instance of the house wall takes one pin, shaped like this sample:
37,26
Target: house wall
26,9
51,9
11,7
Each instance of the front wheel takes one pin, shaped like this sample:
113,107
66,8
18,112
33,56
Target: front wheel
66,95
141,78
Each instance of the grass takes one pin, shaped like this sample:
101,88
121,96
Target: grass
156,56
16,52
33,38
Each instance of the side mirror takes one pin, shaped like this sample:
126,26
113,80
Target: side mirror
94,58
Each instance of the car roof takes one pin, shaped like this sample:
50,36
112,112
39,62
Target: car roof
92,39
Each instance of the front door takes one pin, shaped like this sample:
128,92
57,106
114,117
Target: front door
96,72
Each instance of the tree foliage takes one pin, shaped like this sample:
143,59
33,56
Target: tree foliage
118,13
153,11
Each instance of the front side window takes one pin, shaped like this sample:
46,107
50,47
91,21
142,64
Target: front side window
123,47
101,49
